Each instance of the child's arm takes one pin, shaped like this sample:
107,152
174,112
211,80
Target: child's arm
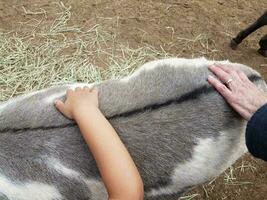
115,164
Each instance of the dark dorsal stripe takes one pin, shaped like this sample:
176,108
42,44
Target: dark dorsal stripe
194,94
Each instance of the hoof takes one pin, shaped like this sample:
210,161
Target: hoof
263,52
233,44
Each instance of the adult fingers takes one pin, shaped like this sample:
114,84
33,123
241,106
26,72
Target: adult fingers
231,70
243,112
226,68
221,74
221,88
243,76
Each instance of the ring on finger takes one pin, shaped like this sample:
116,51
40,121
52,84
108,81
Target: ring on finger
229,81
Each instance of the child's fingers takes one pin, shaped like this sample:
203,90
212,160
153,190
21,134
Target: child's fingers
60,105
78,89
69,91
94,90
86,88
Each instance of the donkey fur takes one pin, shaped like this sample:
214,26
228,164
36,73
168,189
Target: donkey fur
179,131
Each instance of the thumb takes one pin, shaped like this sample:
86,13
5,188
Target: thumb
59,105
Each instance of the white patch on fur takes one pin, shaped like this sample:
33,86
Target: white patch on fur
210,158
28,191
97,188
60,168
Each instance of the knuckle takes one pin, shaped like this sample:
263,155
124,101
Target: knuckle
232,100
244,86
221,87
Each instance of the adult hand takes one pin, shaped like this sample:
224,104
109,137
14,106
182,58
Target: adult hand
78,101
243,95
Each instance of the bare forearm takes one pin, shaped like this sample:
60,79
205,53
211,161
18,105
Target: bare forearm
115,164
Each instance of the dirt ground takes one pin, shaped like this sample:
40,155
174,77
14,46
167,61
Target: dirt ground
185,29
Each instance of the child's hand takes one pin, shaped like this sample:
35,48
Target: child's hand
78,101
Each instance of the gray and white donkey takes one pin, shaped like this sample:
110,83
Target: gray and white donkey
178,129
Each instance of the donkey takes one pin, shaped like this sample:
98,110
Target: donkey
261,21
179,131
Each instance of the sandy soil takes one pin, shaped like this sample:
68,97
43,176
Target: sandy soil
186,29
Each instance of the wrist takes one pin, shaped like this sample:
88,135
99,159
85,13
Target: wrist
85,112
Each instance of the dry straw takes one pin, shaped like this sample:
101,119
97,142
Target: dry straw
42,54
